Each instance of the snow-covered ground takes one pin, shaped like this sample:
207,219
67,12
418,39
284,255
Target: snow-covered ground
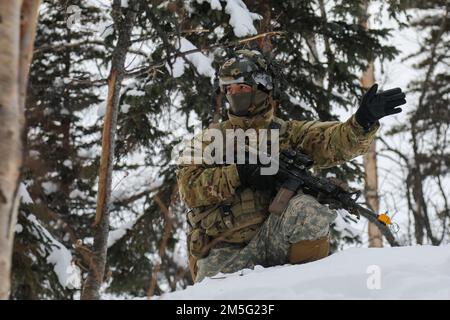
420,272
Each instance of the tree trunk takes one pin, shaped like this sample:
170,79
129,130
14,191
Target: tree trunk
371,194
168,226
17,31
370,158
123,21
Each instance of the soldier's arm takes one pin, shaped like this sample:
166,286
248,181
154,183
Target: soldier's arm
331,143
201,186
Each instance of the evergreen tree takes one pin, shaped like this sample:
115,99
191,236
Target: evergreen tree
60,166
164,96
427,125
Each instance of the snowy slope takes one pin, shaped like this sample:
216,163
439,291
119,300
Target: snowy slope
421,272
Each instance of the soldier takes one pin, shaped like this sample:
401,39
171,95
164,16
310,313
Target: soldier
231,228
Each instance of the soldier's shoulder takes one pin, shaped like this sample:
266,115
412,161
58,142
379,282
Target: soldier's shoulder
226,124
191,149
213,126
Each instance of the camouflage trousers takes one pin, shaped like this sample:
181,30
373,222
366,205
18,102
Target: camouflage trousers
304,219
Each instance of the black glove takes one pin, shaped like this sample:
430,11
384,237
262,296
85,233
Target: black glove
375,105
250,175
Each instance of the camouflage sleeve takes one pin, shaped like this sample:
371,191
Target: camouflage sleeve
202,186
331,143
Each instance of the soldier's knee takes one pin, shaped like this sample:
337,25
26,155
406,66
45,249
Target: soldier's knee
306,219
309,250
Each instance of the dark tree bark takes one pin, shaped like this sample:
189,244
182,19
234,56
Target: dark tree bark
123,21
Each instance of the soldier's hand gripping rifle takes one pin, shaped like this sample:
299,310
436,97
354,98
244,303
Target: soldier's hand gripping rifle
294,173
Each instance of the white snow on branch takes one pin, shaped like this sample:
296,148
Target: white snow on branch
18,228
124,108
49,187
136,93
241,19
24,195
343,227
135,183
68,163
202,63
77,194
68,274
117,234
304,106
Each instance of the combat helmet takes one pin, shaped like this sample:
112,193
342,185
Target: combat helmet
247,66
252,68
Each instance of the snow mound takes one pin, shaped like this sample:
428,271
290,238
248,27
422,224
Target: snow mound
420,272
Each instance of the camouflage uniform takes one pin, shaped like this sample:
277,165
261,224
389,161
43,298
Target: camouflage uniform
304,219
266,242
231,228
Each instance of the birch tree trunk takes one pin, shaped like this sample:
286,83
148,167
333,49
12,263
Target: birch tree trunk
370,158
123,21
18,21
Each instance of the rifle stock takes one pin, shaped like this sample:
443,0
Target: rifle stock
281,200
290,187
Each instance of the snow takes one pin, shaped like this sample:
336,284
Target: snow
125,186
124,108
69,275
101,110
68,163
241,19
177,68
18,228
34,153
25,197
303,105
118,233
344,227
202,63
420,272
49,187
74,194
135,93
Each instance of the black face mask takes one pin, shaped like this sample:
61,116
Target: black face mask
241,103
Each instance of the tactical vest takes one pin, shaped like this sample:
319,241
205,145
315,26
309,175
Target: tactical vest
235,221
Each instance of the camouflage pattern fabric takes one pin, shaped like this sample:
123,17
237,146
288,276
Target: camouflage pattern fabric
328,143
202,186
303,219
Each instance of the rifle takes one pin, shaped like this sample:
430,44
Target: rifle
294,172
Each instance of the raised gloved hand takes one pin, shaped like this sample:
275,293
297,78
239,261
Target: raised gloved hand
375,106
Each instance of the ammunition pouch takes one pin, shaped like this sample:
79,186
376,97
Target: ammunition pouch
232,221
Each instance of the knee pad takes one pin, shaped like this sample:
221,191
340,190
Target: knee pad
309,250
